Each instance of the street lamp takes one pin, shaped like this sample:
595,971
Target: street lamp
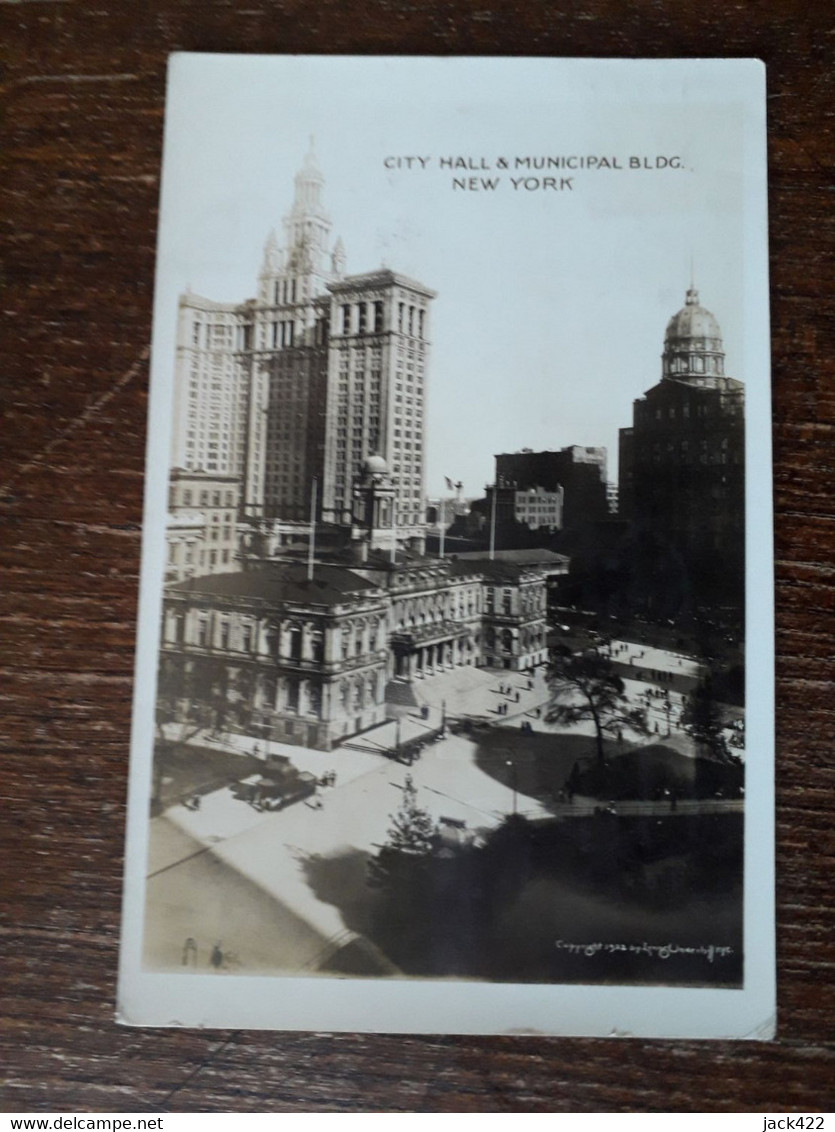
512,765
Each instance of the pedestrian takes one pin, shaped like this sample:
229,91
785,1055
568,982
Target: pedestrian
517,697
216,958
190,953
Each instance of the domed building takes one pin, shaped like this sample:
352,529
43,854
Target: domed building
682,470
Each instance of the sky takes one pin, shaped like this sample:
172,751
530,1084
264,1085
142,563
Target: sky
551,302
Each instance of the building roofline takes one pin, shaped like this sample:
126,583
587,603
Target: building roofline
382,277
200,302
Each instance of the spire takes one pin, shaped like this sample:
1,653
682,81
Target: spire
299,266
338,258
272,255
308,187
691,299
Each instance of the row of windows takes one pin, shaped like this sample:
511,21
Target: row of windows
695,363
368,318
205,498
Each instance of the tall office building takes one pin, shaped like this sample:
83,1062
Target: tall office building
682,464
376,392
210,423
318,373
290,357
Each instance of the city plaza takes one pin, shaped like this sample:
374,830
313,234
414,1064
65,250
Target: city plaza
227,873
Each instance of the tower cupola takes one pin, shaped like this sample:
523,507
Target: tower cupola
693,349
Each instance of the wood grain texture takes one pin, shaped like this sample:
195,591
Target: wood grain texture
80,144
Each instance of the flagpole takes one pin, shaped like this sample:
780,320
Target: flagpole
493,526
311,548
443,517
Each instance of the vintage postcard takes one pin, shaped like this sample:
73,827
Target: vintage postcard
454,689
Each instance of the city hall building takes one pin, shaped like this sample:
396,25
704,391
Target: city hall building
305,656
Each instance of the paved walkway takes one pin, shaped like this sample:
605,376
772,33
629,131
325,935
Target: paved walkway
210,869
584,807
283,853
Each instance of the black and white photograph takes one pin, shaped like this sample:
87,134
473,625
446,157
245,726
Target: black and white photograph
454,684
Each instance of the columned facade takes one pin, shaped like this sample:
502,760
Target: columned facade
239,657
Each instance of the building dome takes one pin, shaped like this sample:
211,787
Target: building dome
375,466
693,321
693,342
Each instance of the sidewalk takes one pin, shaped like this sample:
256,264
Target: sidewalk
309,864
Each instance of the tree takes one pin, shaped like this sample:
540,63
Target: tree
702,719
585,686
411,842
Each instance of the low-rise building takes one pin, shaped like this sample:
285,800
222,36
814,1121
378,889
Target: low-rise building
201,529
272,653
281,652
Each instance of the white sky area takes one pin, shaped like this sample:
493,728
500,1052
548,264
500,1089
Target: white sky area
551,306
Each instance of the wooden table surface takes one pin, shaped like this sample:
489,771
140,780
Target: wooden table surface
80,142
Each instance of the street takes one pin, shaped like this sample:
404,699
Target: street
271,889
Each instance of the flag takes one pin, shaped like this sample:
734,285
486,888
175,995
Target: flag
450,486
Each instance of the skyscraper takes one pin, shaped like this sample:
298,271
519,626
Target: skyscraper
376,391
682,464
309,379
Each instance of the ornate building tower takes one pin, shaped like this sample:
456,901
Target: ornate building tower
683,460
289,374
373,495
